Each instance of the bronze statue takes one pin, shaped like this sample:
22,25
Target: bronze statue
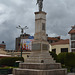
40,4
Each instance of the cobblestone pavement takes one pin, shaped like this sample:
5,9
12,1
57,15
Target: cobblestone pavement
71,73
67,74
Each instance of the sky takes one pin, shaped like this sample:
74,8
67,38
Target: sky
60,17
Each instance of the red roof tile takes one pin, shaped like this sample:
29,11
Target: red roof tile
61,42
52,38
2,45
71,31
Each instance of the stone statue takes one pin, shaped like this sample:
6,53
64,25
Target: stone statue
40,4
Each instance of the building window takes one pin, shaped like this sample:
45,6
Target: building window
54,50
72,36
50,41
64,49
43,26
73,50
72,44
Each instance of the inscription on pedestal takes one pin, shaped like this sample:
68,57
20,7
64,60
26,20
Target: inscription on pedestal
45,46
36,46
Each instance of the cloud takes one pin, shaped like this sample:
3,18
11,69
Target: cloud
18,2
60,17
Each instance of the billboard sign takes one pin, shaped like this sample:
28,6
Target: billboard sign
26,44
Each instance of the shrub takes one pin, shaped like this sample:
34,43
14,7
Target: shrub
54,55
70,59
67,59
10,61
61,58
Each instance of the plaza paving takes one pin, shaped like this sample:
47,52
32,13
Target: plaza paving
67,74
71,73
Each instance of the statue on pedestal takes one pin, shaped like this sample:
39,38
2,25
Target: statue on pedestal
40,4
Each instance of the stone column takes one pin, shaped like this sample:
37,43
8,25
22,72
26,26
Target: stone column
40,26
40,37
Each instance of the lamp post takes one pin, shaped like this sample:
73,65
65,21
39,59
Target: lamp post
22,31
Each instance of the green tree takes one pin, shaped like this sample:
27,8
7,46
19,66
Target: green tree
61,58
70,59
54,55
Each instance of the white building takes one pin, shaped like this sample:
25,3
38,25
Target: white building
72,39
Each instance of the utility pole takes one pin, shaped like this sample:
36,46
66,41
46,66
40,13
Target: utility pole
22,31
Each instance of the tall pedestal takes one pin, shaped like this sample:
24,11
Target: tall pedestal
40,37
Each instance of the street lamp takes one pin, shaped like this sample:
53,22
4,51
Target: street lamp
22,31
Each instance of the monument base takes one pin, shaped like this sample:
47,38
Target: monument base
39,72
40,63
40,46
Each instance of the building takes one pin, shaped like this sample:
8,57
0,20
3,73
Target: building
27,36
18,41
60,46
2,48
72,39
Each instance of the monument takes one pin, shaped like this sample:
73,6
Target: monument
40,37
40,62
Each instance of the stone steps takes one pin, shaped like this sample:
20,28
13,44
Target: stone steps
39,72
44,57
71,74
40,66
40,54
39,60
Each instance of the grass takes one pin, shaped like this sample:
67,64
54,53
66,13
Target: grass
7,67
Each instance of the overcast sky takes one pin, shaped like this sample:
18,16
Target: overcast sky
60,18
